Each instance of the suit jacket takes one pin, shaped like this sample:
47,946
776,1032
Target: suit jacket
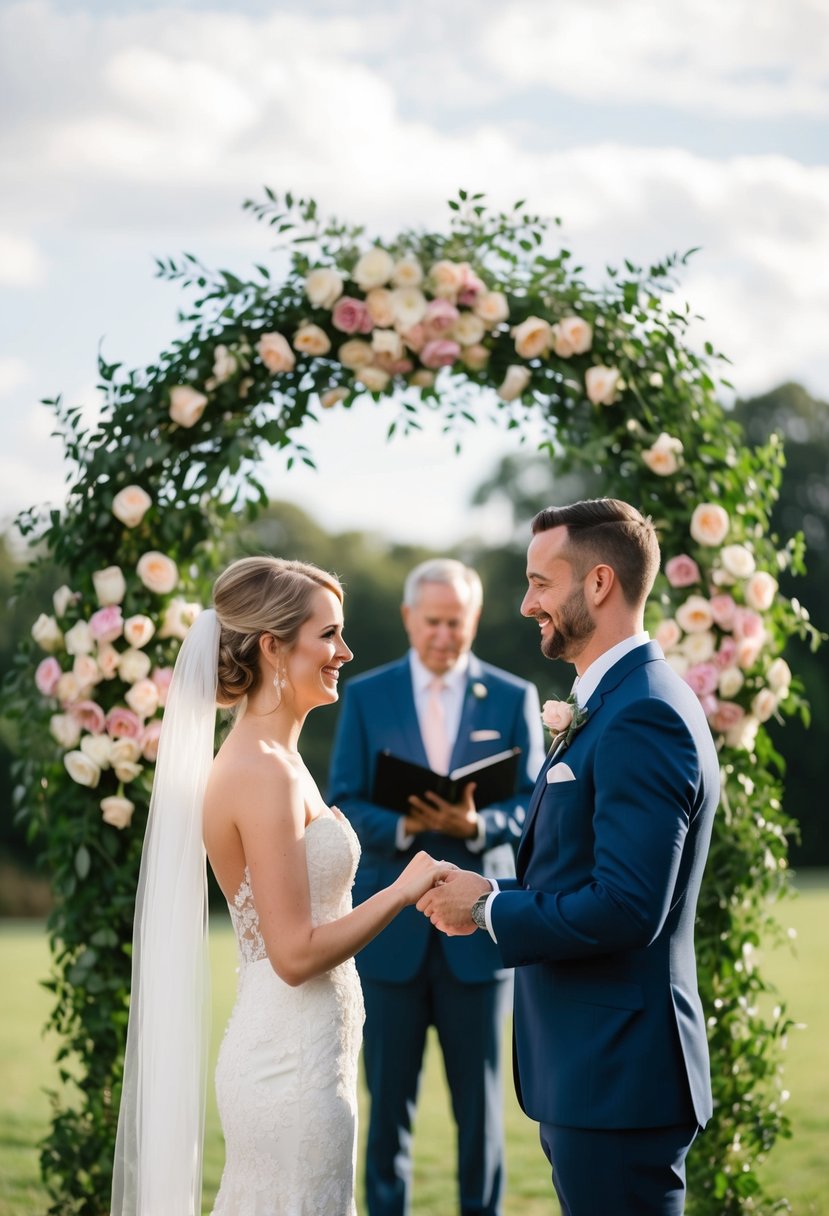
609,1031
378,712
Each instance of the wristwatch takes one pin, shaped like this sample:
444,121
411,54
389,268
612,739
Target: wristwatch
479,910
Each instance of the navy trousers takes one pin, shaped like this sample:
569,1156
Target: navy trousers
625,1172
469,1023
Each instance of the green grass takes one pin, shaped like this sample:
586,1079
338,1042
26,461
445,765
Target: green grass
796,1168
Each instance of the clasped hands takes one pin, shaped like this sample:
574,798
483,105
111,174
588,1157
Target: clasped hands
448,904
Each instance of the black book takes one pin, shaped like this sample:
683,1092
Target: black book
395,780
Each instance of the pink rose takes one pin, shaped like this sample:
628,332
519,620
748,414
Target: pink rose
107,623
760,590
703,678
186,405
275,352
138,630
440,352
727,653
122,723
748,624
439,317
667,634
108,660
571,336
161,677
47,675
556,715
682,571
415,338
149,740
89,716
722,610
727,716
351,316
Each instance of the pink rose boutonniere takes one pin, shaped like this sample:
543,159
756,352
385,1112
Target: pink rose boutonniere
563,719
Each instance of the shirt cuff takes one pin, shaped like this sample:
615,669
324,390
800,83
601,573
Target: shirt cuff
402,839
488,909
478,843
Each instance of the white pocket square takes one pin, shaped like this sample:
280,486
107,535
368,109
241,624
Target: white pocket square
560,772
483,736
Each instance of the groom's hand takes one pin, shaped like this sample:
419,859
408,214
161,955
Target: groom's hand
449,904
433,814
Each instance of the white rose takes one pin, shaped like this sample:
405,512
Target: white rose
79,639
134,665
64,730
81,769
142,698
179,615
355,354
694,616
62,598
108,658
374,269
532,338
492,307
407,272
86,671
446,279
97,748
46,632
760,591
514,382
224,364
186,405
157,572
130,505
699,647
374,378
323,287
764,704
738,560
744,734
602,385
730,682
709,524
275,352
117,811
678,662
779,675
667,634
469,329
387,342
127,770
68,688
380,305
571,336
748,651
311,340
110,585
124,751
138,630
662,457
409,306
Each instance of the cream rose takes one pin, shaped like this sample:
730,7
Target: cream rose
468,329
81,769
475,357
98,749
572,336
532,338
556,715
407,272
663,456
86,671
409,306
134,665
79,639
446,279
68,688
225,364
763,704
709,524
355,354
275,352
110,585
62,598
514,382
117,811
602,385
492,307
737,560
374,269
130,505
125,751
667,634
47,633
760,591
373,378
422,378
678,662
324,286
127,770
179,615
332,396
108,658
387,342
380,305
142,698
699,647
730,682
186,405
157,572
694,616
138,630
65,730
311,340
779,676
744,734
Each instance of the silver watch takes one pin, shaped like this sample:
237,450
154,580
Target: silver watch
479,910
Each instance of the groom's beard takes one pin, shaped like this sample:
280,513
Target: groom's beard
573,629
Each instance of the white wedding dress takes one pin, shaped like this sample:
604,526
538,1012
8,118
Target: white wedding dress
286,1077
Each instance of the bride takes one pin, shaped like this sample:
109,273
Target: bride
286,1078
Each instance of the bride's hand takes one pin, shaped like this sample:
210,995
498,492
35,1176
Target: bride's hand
420,875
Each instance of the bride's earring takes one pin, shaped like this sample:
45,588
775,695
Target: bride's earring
279,682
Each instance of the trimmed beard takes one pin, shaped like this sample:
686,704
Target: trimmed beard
575,627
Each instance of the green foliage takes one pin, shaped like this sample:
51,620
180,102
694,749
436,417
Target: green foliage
623,397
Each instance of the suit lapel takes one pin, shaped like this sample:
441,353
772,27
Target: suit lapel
401,709
470,714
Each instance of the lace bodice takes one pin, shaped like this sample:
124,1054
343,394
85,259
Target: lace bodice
331,870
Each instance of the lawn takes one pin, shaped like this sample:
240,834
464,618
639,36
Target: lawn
797,1167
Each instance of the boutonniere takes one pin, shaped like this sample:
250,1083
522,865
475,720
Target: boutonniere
563,719
479,690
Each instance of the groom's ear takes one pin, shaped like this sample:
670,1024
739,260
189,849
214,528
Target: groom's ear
599,584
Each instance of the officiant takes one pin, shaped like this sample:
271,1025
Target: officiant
441,707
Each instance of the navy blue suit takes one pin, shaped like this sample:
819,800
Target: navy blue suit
609,1032
412,975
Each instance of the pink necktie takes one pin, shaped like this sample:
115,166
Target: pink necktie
435,739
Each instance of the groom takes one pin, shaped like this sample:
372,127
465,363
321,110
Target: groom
610,1048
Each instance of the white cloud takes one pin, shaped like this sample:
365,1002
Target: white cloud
745,58
13,373
21,262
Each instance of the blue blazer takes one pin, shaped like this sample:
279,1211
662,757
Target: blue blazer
609,1031
378,712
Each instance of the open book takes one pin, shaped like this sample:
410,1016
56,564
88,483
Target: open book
395,780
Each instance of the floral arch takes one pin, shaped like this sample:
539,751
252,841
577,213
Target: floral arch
486,312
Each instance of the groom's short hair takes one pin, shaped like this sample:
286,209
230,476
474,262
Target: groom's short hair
609,531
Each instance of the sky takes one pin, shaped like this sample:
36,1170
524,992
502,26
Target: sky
135,130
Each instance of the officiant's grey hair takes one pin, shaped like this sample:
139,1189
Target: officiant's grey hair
450,573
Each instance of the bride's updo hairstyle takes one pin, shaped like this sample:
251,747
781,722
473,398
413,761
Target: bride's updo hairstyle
257,595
